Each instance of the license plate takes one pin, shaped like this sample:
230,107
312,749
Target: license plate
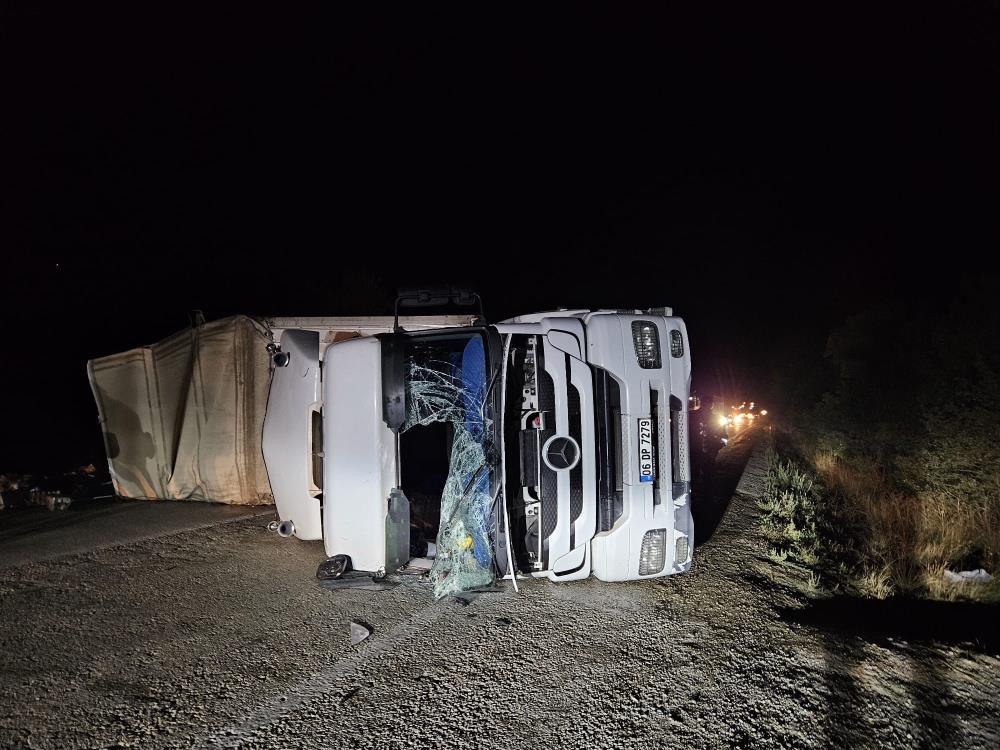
646,463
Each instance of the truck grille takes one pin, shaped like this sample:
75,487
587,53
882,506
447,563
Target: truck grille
549,489
608,421
576,474
679,467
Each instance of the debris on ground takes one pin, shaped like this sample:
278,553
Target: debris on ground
333,567
418,566
465,598
52,501
968,576
55,491
359,631
349,694
357,580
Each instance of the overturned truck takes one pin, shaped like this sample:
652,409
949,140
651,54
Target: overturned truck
552,445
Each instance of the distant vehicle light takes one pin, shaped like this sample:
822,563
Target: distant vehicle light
723,421
763,412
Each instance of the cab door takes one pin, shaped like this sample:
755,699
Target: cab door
292,437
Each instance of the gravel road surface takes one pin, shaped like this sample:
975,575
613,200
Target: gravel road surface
219,636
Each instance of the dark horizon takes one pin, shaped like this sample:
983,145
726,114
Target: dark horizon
765,175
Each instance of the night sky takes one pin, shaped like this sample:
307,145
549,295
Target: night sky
766,175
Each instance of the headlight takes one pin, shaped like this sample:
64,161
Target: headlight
723,421
681,549
653,556
647,344
676,344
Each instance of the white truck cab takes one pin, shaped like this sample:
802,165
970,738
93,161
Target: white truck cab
579,428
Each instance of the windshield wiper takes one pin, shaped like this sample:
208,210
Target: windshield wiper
486,396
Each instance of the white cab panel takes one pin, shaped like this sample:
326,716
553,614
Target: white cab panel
287,439
360,465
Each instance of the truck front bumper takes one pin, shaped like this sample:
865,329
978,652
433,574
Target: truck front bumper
618,554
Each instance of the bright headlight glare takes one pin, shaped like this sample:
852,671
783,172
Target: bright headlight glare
653,555
647,344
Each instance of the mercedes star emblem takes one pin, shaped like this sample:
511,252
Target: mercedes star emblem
561,453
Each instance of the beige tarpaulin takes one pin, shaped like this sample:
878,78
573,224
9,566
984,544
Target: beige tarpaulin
182,418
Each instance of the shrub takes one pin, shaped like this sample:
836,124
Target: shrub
851,525
905,453
789,512
875,583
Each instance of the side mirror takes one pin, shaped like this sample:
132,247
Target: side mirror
393,380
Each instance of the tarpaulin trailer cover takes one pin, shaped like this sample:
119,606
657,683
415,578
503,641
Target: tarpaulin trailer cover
182,418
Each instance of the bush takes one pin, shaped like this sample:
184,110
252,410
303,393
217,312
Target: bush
789,513
846,524
904,453
805,526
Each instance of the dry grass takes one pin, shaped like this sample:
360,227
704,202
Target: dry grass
875,583
907,539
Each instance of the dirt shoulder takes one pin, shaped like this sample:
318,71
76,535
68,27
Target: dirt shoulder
220,636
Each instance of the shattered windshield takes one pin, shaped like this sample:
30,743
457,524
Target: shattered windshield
447,382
